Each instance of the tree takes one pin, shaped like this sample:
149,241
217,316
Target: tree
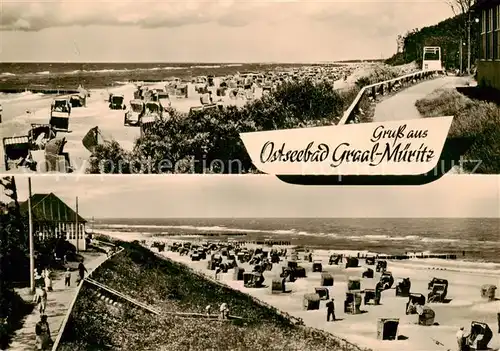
10,190
13,238
446,34
462,8
13,248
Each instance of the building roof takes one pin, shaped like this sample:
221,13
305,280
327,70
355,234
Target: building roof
485,4
50,208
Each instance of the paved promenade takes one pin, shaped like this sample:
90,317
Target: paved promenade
401,106
58,303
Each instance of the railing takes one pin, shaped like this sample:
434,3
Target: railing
70,309
122,296
385,87
346,345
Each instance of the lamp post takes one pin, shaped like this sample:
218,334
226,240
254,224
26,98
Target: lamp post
76,228
469,49
468,43
31,241
462,44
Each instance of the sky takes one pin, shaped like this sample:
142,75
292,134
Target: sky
209,30
222,196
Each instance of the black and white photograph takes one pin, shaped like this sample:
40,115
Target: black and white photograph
139,209
248,263
164,87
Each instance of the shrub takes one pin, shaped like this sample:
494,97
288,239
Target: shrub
477,119
13,247
12,311
109,158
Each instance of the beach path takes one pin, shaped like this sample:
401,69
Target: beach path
58,304
401,106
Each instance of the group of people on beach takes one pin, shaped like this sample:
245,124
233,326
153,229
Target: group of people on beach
43,285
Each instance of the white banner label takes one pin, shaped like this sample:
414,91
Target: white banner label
409,147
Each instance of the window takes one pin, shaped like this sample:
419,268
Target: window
483,35
497,23
488,35
496,34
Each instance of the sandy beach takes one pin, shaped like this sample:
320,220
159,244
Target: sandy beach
465,305
97,113
24,109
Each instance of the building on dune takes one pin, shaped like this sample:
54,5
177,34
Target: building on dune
488,68
52,218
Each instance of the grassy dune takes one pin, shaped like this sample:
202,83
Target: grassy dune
476,119
168,286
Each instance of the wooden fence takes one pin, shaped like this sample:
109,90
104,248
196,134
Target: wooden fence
383,88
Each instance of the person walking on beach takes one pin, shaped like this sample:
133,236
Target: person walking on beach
43,301
48,279
67,278
498,321
224,311
330,310
82,270
42,332
460,339
38,277
38,295
208,309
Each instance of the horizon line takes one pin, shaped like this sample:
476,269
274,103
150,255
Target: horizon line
194,218
191,62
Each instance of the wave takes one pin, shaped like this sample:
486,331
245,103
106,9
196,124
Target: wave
27,95
295,232
181,227
206,66
124,70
